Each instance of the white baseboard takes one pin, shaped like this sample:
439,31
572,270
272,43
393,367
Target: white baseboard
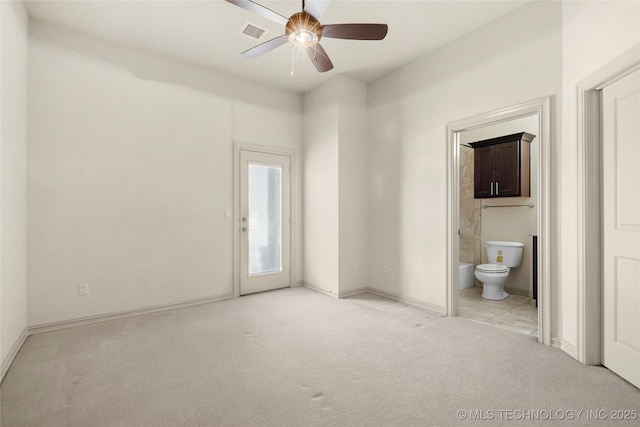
6,363
570,349
48,327
38,329
352,292
518,292
561,344
319,289
442,311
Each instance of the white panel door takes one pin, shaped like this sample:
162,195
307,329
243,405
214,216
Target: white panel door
621,227
265,223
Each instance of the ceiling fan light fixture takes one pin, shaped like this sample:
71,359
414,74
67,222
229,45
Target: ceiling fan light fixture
303,38
303,30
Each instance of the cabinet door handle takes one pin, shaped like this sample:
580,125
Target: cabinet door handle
492,188
497,191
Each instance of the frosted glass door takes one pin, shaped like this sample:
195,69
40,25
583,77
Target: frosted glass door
265,221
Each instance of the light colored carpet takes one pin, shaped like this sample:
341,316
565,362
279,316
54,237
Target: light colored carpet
298,358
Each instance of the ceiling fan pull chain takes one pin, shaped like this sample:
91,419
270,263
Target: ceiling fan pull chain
292,62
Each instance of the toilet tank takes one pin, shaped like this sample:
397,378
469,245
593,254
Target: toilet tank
510,252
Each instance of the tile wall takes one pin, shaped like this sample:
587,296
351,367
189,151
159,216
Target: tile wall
470,212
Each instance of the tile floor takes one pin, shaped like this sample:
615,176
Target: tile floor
517,313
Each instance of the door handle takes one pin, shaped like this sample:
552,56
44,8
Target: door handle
497,191
492,188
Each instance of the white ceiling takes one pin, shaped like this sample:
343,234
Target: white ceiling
208,32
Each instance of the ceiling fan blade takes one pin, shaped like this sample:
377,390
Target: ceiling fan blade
355,31
260,10
319,58
316,7
265,47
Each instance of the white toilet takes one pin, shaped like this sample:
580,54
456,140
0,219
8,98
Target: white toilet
501,256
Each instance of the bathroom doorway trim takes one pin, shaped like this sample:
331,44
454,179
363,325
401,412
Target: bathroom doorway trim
542,108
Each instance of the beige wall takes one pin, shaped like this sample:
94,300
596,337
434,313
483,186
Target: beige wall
470,212
353,184
409,111
321,195
130,174
335,182
13,181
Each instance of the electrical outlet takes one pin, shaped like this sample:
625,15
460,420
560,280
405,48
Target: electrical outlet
83,289
385,269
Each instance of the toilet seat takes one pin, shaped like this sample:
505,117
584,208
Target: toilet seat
493,277
492,268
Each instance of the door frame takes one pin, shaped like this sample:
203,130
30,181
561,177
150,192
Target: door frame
542,108
291,153
590,279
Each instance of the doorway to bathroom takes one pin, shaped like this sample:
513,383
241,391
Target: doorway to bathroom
475,219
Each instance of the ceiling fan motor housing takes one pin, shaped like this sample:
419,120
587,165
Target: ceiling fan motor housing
303,29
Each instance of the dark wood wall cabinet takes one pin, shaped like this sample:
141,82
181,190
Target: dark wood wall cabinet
501,166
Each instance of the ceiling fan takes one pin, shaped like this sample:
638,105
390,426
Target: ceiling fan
304,30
